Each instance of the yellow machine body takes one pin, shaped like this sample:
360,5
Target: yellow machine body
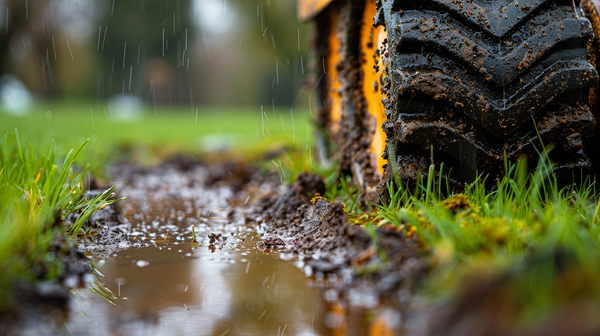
309,8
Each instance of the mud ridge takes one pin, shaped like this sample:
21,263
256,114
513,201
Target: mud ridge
329,247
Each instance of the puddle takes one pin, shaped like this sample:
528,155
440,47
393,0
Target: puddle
177,287
183,290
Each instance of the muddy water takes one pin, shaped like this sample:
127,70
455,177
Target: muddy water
190,290
177,287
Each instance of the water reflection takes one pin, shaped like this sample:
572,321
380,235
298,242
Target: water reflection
180,291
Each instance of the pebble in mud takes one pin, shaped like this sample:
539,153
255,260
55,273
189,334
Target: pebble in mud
216,241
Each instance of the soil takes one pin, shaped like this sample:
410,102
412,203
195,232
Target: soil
318,234
41,299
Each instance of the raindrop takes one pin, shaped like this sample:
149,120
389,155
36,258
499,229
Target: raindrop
92,114
70,52
130,73
104,38
53,47
124,50
293,127
99,34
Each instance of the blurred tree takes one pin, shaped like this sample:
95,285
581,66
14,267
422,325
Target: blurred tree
146,47
35,46
164,51
27,37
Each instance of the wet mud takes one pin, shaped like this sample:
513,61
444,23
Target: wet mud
42,300
165,202
487,306
369,274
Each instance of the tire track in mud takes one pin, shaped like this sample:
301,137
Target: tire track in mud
335,255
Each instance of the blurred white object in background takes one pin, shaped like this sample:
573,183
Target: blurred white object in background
125,107
217,142
15,98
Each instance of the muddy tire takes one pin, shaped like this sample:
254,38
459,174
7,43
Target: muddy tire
468,81
469,75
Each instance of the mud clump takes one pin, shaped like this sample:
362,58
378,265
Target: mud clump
45,296
320,231
305,187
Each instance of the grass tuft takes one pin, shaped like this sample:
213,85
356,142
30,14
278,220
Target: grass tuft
38,190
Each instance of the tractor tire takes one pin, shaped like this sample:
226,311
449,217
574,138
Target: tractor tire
466,83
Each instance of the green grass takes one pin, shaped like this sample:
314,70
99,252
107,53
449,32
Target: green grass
544,237
159,133
178,125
